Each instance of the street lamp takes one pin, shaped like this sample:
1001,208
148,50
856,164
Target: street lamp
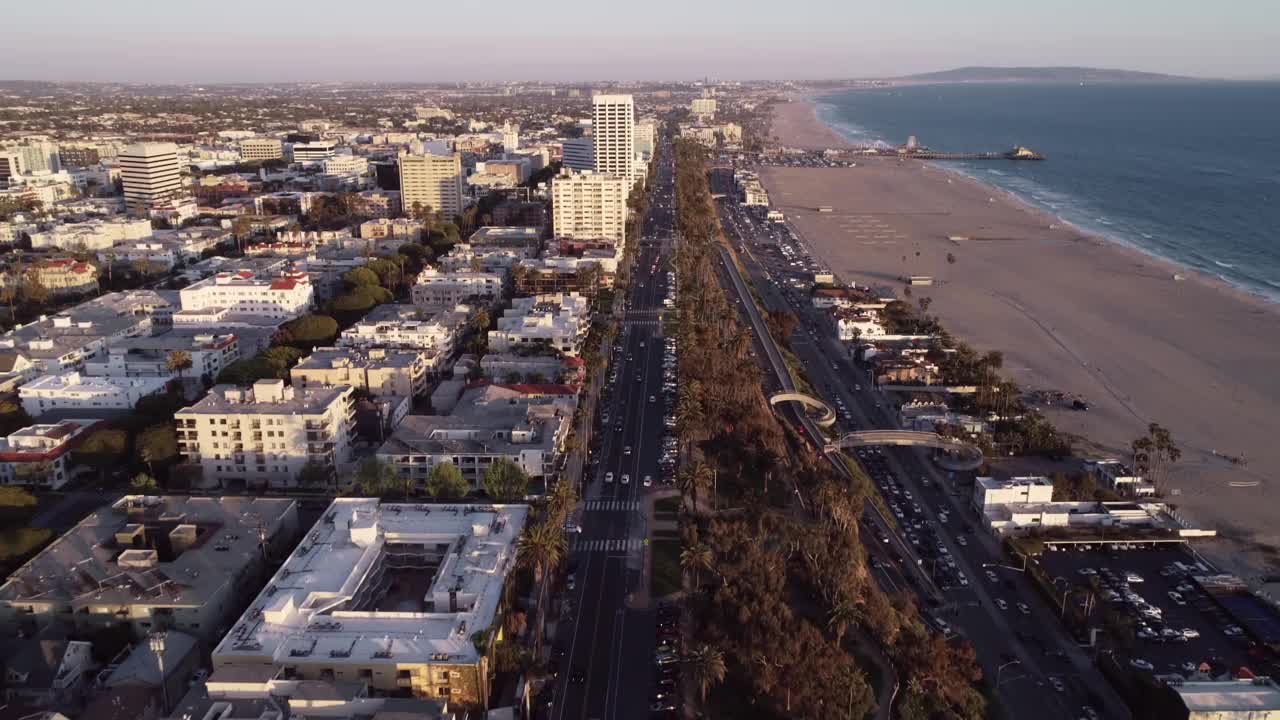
1001,670
157,644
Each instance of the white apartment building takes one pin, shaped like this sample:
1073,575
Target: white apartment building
107,570
384,372
313,153
435,290
260,149
854,327
558,321
38,456
578,154
76,392
263,436
1116,476
159,254
246,293
431,180
489,259
407,327
613,126
590,206
152,175
332,612
345,165
148,356
1026,490
92,235
704,107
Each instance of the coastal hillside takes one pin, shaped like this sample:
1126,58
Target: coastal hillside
1041,75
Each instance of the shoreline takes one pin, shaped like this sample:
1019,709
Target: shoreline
1271,298
1072,310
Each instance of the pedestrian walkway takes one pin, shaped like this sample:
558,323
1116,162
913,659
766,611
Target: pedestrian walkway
610,545
615,505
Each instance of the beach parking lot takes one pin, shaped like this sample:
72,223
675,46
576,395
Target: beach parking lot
1176,626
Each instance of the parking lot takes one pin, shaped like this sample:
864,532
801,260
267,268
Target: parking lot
1175,626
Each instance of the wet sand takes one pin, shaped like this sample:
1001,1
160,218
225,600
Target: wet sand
1070,312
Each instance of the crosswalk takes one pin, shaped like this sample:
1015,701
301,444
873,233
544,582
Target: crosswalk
618,505
650,323
610,545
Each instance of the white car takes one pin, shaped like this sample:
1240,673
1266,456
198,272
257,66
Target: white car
626,479
572,528
648,481
1133,578
608,477
1000,603
1024,609
961,540
1141,664
1190,633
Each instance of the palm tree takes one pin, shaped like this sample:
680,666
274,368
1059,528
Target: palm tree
696,558
842,617
561,501
706,665
541,548
179,361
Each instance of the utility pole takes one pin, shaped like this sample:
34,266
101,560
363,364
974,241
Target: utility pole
157,643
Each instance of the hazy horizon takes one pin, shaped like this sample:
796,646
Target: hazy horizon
568,41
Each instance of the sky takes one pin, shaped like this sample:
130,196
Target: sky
577,40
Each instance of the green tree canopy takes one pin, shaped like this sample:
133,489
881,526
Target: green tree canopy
504,481
445,482
16,497
375,478
102,449
156,444
315,474
13,417
359,277
144,483
309,330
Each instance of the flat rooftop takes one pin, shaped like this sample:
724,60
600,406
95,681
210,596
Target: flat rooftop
169,550
1256,695
330,599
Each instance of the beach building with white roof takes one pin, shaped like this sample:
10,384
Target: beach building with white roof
397,596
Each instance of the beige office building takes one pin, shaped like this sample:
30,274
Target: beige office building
433,181
590,206
260,149
152,176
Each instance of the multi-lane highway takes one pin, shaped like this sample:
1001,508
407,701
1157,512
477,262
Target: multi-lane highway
1024,650
604,642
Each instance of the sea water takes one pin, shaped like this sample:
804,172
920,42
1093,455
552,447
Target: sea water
1186,171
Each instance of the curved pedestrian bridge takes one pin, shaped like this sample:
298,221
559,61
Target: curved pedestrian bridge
826,416
957,455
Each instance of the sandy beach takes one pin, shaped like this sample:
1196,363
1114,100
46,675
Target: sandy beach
1070,312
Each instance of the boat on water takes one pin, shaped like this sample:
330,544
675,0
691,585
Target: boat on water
1023,153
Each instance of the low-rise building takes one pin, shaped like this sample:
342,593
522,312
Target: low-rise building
1025,505
37,456
73,392
248,294
265,693
1255,698
405,326
264,435
379,228
435,290
396,597
152,563
526,424
79,334
383,372
558,322
65,276
92,235
1117,477
47,671
261,149
528,238
507,367
488,259
149,356
156,255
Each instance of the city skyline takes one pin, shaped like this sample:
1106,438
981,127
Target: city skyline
128,42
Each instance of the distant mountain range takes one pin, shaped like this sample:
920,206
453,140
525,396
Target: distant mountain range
1041,75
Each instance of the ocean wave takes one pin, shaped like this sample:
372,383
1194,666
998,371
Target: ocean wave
1221,264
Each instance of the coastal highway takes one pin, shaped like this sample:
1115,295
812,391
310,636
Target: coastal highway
1022,650
605,639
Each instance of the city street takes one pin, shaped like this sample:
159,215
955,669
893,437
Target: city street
605,641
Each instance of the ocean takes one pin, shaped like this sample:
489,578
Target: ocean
1186,172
